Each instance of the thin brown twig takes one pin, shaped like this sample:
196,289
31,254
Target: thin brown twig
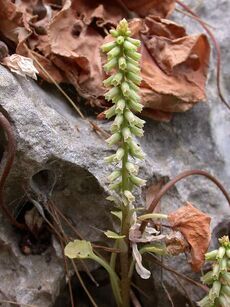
188,279
185,291
15,303
168,294
134,299
179,177
217,47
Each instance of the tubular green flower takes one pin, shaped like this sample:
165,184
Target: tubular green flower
114,138
133,77
126,134
120,105
135,106
122,63
110,65
110,112
116,80
125,89
129,46
108,46
114,175
137,131
114,52
133,68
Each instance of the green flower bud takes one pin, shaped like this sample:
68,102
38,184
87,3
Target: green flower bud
122,63
133,86
115,186
132,61
211,255
226,290
120,40
223,301
135,150
123,27
112,93
207,278
130,117
132,68
134,55
113,32
108,46
117,79
223,265
120,105
129,196
225,278
117,123
137,131
110,65
114,52
221,252
215,291
137,181
110,112
126,134
134,41
228,253
119,155
138,122
205,302
114,139
125,89
133,95
134,78
107,82
115,174
109,159
129,46
132,169
135,106
216,271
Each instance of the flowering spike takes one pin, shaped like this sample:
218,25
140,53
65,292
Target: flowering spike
123,59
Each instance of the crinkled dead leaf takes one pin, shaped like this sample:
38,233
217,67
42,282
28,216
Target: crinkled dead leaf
21,65
67,42
175,243
195,227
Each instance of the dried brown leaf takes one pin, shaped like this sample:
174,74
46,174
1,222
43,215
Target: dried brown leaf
151,7
195,227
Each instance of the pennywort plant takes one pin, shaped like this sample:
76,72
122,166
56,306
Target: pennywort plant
138,235
219,277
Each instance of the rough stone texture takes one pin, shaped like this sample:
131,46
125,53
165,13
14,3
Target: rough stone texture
50,136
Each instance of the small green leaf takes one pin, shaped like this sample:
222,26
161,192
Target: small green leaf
118,214
113,235
80,249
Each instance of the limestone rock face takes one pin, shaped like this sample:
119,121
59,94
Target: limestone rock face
59,154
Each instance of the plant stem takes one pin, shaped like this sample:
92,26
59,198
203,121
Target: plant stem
124,256
114,279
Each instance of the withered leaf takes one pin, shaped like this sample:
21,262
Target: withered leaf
195,227
67,43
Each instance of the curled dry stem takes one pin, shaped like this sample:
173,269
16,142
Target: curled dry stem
11,151
172,182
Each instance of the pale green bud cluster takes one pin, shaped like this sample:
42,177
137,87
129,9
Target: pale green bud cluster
123,64
219,277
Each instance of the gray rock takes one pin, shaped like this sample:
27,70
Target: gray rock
53,139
